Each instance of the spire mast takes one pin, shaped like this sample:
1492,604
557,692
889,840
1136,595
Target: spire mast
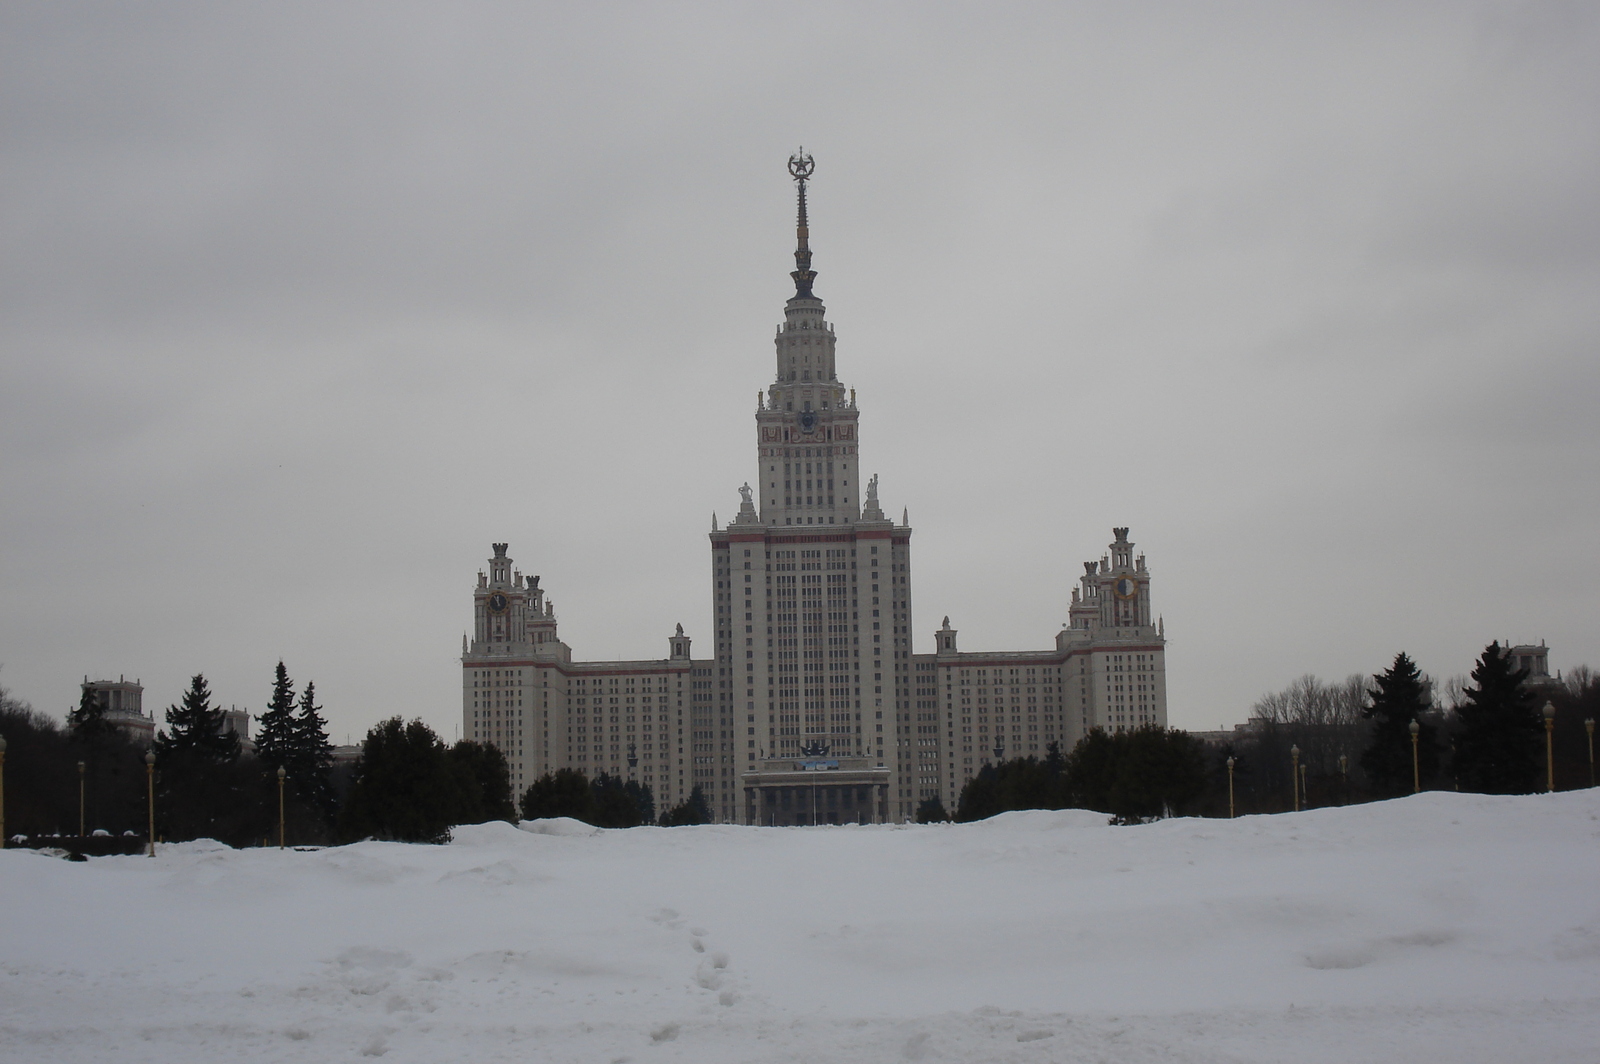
801,166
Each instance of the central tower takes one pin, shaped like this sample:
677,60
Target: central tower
812,592
806,422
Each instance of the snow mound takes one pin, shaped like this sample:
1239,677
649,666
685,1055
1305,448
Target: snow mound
489,833
1046,820
1440,927
558,825
197,846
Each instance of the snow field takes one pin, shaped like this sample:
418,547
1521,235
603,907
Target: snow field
1441,927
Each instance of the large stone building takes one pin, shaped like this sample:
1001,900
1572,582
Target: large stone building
812,706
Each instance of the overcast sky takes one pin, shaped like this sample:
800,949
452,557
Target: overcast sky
302,306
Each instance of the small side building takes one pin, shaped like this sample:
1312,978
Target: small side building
122,702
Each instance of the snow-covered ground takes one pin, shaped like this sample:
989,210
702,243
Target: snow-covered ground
1453,928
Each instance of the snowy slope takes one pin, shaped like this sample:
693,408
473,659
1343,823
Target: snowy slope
1442,927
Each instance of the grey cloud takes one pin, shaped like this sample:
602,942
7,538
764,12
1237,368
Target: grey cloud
301,307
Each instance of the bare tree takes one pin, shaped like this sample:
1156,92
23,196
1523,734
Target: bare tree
1449,695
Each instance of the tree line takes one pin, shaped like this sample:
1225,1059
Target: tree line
406,784
1351,741
206,784
608,802
410,787
1133,775
1484,733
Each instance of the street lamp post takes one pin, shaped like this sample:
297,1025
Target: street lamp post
1294,754
81,767
1416,765
282,775
150,792
633,759
2,792
999,751
1549,747
1589,727
1230,787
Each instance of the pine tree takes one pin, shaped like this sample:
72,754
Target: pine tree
1498,742
563,793
196,727
485,783
644,797
699,808
613,807
980,797
276,741
619,804
108,757
1055,762
311,762
1159,772
931,811
1092,770
405,787
199,788
1401,697
694,810
88,722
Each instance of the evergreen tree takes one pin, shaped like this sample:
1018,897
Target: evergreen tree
311,759
1021,783
1159,772
1400,698
88,722
109,759
198,728
404,787
1499,736
621,805
980,797
931,811
693,810
276,743
485,783
644,800
201,788
1055,765
563,793
1092,770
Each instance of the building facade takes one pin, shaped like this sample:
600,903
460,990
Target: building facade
812,703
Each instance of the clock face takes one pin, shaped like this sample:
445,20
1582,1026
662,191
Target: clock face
808,421
1125,588
497,603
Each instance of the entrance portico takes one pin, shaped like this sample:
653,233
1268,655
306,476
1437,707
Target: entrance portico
788,792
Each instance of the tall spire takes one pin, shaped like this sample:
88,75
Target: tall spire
801,167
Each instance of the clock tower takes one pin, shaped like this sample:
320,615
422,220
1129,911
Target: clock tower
812,592
806,420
